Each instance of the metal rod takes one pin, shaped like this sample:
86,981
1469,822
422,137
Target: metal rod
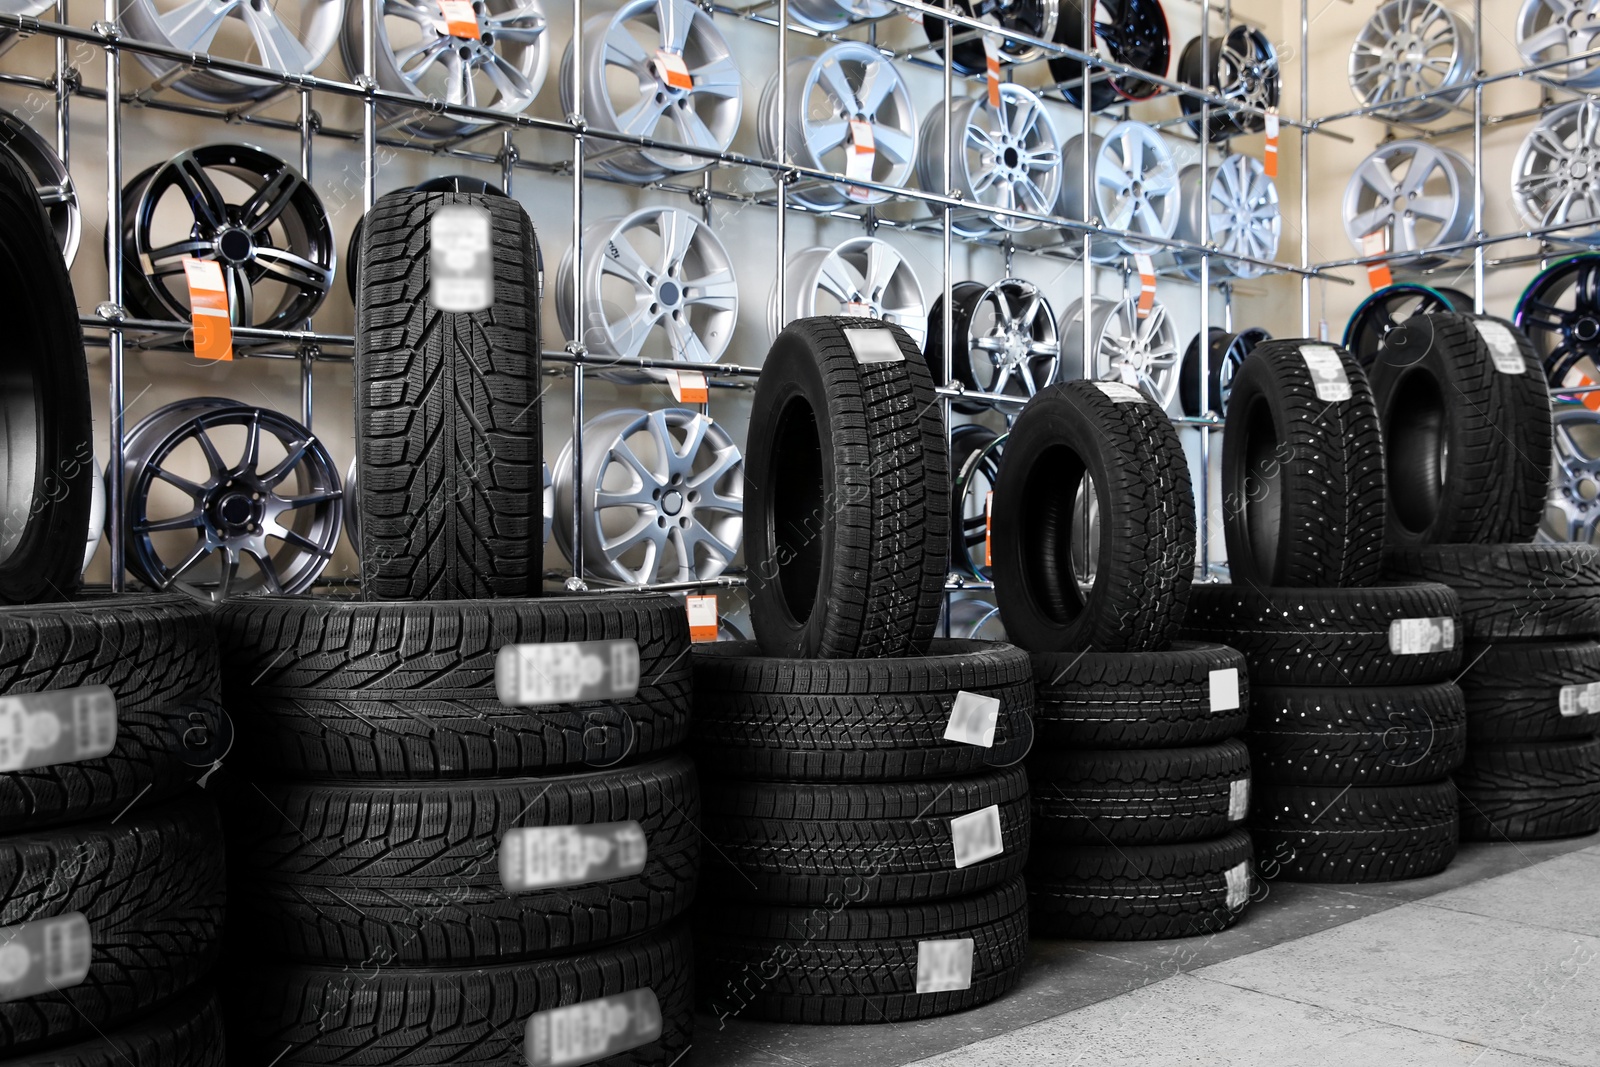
575,344
116,518
946,311
1203,503
1477,157
369,106
1305,169
63,131
306,356
781,223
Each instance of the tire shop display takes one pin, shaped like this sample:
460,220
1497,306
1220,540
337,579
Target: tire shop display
1242,67
1003,340
1373,319
1007,156
1134,32
1415,196
1228,352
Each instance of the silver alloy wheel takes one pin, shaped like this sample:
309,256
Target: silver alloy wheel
1414,191
1572,510
415,55
1010,158
672,514
293,36
830,16
30,8
235,510
51,179
1549,30
660,269
1135,187
863,276
1012,347
974,618
626,86
1410,47
848,83
1244,218
1124,348
1556,177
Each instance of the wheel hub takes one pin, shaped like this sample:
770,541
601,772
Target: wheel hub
235,245
672,502
668,294
233,509
1586,329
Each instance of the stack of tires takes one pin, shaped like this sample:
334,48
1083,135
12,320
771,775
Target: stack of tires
1470,388
463,831
865,811
1354,723
1139,786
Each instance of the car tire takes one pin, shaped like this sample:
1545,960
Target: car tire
1536,592
1530,791
1350,834
1532,691
1388,735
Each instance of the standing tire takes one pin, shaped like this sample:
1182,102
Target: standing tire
1355,833
447,410
1530,791
849,494
1346,735
1538,592
1190,694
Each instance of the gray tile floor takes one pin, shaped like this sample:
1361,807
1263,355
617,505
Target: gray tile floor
1494,963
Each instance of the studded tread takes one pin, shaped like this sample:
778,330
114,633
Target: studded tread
1387,735
1306,833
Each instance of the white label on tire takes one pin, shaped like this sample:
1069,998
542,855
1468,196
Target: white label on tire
1418,637
43,955
977,836
460,259
875,346
1238,799
592,1030
1122,392
1576,700
1327,372
565,672
944,966
1225,689
1502,346
972,719
1238,878
59,726
544,857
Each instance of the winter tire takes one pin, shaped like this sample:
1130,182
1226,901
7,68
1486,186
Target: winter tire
1346,735
1530,791
1306,833
1520,591
1139,797
185,1033
1532,691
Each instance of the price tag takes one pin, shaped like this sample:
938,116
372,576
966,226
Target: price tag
208,309
1269,159
1417,637
1322,329
1238,799
459,19
671,71
1575,700
1576,379
543,857
1225,689
44,955
915,16
59,726
972,719
460,259
991,61
688,386
1238,880
1327,373
1502,346
702,617
874,346
1147,284
944,966
1121,392
566,672
988,528
861,152
592,1030
1376,243
977,836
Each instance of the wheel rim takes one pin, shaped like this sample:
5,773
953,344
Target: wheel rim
1556,177
1548,30
1560,313
1227,352
1244,70
1414,192
864,277
1012,347
1036,18
272,239
1139,352
1406,49
975,619
237,511
675,513
1010,158
1244,215
1135,186
970,487
33,8
51,180
832,15
293,37
1572,511
1368,328
1135,33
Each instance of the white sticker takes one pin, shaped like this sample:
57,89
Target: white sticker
592,1030
1578,700
1238,799
1417,637
1238,878
1502,346
1327,372
977,836
43,955
541,857
944,966
1121,392
875,346
566,671
1225,689
57,726
972,719
460,259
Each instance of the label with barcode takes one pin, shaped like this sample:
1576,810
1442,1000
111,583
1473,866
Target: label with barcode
58,726
1225,689
1575,700
460,260
592,1030
976,836
944,966
1238,879
1327,373
1238,799
42,955
1417,637
875,346
1502,346
1121,392
565,672
542,857
972,719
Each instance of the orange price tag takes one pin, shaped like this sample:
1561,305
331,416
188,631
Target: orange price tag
1576,379
1376,243
860,311
1147,284
1269,161
988,522
208,309
688,386
671,70
459,18
860,153
702,617
991,57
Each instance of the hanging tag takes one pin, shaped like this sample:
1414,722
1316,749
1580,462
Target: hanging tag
671,71
976,836
988,528
459,19
861,150
1147,284
688,386
1377,244
1269,160
972,719
944,966
592,1030
1576,379
702,617
915,16
208,309
1322,329
991,58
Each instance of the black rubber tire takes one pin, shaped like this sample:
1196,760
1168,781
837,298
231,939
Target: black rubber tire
324,688
151,885
1141,892
1346,735
1537,592
1530,791
1348,834
1513,691
855,720
848,965
447,412
1131,455
1325,637
158,656
870,842
449,183
1136,699
1141,796
963,299
185,1033
45,428
409,874
1467,446
1302,478
848,513
293,1015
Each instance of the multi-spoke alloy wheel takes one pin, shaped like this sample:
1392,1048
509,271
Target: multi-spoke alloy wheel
1010,158
204,523
1036,18
1123,347
1417,194
863,276
663,496
1135,187
292,36
1243,216
1244,70
1134,33
1224,356
974,467
1390,306
1572,511
50,177
1408,48
636,61
249,211
847,102
1005,339
1556,178
1560,313
830,16
1551,30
